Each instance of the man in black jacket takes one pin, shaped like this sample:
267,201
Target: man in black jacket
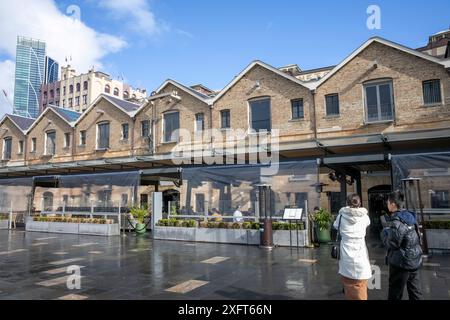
402,239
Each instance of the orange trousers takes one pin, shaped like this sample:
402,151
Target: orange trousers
354,289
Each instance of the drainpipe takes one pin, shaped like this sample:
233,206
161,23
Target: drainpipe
133,125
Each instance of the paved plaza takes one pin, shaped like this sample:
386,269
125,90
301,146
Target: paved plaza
34,266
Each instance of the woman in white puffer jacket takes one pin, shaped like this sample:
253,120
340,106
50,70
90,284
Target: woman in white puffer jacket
354,263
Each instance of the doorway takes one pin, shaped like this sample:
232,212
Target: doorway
377,205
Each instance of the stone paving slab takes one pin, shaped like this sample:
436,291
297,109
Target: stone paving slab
137,267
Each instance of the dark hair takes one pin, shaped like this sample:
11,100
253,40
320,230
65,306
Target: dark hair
316,208
353,200
397,197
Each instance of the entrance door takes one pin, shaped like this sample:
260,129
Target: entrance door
377,205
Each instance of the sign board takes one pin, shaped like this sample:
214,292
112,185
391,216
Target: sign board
292,214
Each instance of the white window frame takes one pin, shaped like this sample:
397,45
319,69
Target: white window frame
45,145
97,136
20,147
249,113
33,144
128,131
195,122
377,83
66,141
441,91
163,122
4,147
81,138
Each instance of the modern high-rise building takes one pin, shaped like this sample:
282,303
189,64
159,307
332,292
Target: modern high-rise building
51,70
30,74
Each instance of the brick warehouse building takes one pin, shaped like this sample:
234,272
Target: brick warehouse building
352,121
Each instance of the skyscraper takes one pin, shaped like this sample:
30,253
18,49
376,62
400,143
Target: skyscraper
30,74
51,70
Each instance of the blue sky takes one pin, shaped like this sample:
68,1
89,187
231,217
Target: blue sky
209,42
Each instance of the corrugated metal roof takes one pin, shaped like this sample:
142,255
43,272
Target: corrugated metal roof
125,105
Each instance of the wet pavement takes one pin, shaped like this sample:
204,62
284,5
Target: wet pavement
34,266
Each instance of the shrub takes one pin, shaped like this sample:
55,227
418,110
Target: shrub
203,224
323,219
184,224
247,225
177,223
255,225
223,225
139,213
162,223
191,223
236,225
437,224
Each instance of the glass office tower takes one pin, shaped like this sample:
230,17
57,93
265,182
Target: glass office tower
51,70
30,74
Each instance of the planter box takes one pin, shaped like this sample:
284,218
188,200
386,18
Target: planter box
438,239
236,236
282,238
4,224
74,228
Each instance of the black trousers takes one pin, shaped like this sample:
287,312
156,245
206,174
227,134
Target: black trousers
399,278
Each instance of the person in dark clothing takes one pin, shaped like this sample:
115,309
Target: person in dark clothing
404,256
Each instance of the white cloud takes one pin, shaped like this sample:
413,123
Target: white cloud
137,12
7,69
64,35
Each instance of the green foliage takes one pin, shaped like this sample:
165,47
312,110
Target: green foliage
139,213
287,226
236,225
323,219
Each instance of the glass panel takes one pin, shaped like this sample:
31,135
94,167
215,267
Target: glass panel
432,92
199,122
225,119
385,101
222,189
433,169
103,136
8,149
51,141
372,103
332,104
260,115
171,125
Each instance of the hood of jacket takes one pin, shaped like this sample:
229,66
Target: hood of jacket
352,215
406,216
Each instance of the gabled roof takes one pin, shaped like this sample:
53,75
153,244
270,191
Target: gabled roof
64,114
382,41
126,107
151,98
67,114
192,92
264,65
22,123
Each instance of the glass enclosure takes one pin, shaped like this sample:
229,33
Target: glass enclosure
94,193
433,169
223,190
15,195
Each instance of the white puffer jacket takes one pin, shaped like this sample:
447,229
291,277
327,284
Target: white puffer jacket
354,262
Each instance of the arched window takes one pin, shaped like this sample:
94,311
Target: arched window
71,88
85,85
107,89
126,95
116,91
52,94
57,92
78,87
45,95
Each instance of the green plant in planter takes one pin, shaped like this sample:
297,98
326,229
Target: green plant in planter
322,220
139,213
236,225
191,223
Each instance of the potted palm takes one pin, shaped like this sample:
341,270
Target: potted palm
140,213
323,222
